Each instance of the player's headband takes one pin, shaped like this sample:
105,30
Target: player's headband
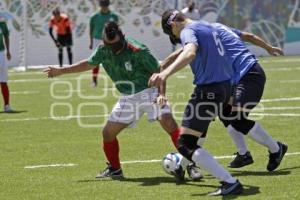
172,17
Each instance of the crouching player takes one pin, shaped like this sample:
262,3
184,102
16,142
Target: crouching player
130,65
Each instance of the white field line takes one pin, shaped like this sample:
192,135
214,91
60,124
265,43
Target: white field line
277,115
280,99
105,115
51,165
54,118
135,161
276,108
282,69
280,60
25,92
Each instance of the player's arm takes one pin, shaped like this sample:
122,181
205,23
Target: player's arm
7,42
170,59
75,68
91,34
187,55
258,41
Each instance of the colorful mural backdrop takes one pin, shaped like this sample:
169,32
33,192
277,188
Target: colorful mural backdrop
277,21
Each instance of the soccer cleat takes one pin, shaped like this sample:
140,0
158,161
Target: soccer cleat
275,158
228,189
111,172
194,172
8,109
241,160
94,84
179,173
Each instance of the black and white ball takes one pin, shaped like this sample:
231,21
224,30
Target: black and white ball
171,162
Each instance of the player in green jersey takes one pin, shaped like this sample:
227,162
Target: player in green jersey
129,64
4,45
96,24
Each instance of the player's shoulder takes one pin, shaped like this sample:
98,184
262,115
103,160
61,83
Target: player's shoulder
64,16
112,13
135,45
95,14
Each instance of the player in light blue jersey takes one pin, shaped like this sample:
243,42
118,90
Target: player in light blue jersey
249,80
212,76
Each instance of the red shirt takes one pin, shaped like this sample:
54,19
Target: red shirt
62,25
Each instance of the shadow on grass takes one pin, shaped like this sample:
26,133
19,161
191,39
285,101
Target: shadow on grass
144,181
13,112
248,191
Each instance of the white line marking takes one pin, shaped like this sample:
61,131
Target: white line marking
181,76
277,115
25,92
280,60
133,161
54,118
51,165
281,99
283,69
276,108
216,157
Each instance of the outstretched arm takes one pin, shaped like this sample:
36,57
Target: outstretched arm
170,59
258,41
75,68
187,55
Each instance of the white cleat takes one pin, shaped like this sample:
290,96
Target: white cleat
8,109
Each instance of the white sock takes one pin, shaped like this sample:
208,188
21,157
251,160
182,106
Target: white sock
202,158
201,141
258,134
238,139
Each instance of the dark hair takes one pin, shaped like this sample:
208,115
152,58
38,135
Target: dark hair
111,30
169,16
56,11
104,3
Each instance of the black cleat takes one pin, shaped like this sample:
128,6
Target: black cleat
241,160
194,172
275,158
228,188
179,174
111,172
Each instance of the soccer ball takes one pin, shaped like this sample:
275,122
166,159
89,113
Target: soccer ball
171,162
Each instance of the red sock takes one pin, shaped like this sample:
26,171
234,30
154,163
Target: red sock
111,150
175,135
5,93
95,73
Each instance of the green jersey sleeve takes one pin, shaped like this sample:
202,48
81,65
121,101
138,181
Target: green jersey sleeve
96,57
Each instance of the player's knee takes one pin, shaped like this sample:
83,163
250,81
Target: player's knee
187,144
225,115
241,123
60,50
107,135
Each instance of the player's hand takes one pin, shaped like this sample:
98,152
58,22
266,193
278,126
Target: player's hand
91,46
8,55
157,79
161,100
275,51
52,72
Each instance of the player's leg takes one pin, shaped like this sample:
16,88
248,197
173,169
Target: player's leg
111,150
248,94
60,56
203,107
169,124
69,43
3,82
243,156
70,54
122,116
